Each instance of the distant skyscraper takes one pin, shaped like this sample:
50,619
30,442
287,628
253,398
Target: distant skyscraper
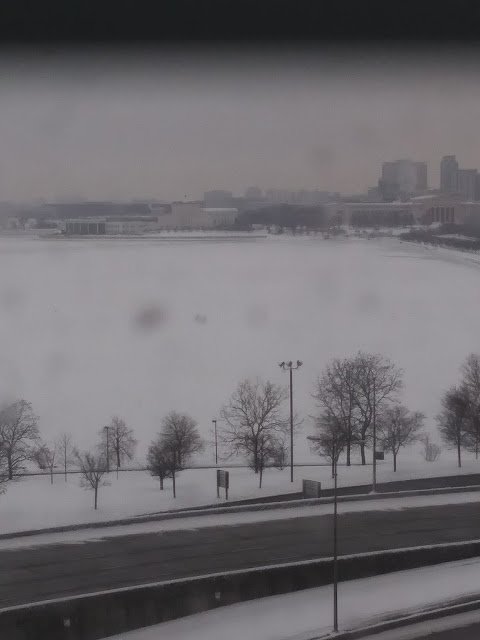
467,183
402,178
449,174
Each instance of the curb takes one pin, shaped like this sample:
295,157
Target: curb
215,510
389,625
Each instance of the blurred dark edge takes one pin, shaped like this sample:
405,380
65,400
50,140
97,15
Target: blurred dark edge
238,25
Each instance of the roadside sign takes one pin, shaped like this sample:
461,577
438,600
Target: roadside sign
311,489
223,480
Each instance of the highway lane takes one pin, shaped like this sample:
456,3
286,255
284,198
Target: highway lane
33,574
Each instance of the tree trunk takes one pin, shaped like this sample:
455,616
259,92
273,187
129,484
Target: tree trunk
476,445
173,479
161,482
261,476
459,453
10,468
394,461
333,468
349,449
362,451
96,494
51,476
118,460
65,468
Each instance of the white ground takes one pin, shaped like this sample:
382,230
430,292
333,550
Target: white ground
72,345
231,519
304,614
33,503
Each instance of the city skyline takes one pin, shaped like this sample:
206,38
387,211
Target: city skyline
119,128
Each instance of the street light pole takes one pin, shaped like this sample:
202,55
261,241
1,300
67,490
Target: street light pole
335,455
216,447
107,428
335,545
374,468
290,367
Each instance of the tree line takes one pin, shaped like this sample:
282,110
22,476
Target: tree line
355,397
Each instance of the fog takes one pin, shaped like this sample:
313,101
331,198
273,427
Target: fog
170,124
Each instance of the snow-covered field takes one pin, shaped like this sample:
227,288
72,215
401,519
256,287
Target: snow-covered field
72,343
306,614
32,502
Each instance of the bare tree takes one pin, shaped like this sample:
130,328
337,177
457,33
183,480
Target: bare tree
470,383
180,432
399,428
253,417
46,457
66,451
119,441
158,461
92,467
19,435
272,450
178,441
329,439
430,451
453,419
280,453
378,383
336,395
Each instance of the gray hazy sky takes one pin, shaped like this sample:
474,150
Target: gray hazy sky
163,125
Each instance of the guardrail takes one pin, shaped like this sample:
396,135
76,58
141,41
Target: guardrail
99,615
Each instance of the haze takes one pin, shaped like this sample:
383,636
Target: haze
173,124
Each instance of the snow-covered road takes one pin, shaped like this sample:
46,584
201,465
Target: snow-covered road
197,522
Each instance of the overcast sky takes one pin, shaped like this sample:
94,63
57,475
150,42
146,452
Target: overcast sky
122,126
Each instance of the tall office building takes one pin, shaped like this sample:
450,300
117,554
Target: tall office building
449,174
467,183
402,178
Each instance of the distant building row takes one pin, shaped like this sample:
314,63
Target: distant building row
425,209
163,218
465,182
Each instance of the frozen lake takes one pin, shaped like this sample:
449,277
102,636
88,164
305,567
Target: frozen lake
92,328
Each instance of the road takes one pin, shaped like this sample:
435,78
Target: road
463,626
33,574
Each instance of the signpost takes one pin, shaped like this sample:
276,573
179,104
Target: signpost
311,489
223,480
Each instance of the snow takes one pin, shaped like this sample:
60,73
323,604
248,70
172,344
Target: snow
33,503
232,519
71,344
422,630
72,347
307,614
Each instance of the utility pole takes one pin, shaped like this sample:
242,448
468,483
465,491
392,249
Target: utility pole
216,444
335,544
374,467
288,366
107,428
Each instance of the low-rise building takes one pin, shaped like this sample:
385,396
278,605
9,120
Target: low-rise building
178,216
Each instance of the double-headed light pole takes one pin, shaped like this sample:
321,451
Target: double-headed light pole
289,366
